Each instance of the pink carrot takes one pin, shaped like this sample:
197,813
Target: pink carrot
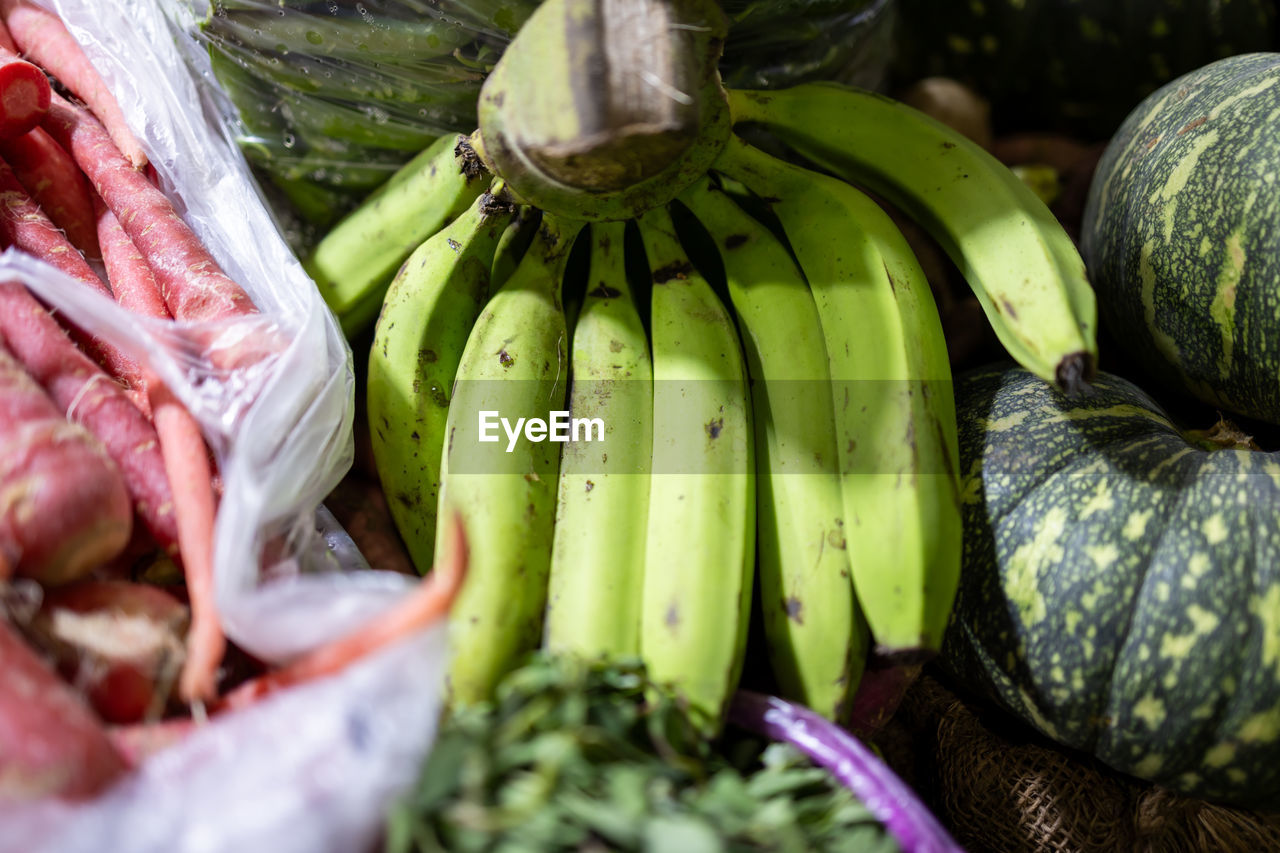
186,460
24,96
53,179
427,603
51,744
25,226
194,286
132,282
89,397
64,507
44,39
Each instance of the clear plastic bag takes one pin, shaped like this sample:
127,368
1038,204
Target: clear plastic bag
775,44
311,768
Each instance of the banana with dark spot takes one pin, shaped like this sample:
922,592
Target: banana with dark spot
501,478
816,634
597,557
700,543
427,314
894,406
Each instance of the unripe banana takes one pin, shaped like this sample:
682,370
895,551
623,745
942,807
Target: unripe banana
357,259
816,634
597,558
1016,257
513,243
700,542
428,313
893,399
515,365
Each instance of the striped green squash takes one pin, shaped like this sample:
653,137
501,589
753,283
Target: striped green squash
1121,584
1181,235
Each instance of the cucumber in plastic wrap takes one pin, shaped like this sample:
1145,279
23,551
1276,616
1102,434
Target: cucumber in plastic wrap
329,98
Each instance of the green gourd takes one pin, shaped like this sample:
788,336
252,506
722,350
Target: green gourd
1120,588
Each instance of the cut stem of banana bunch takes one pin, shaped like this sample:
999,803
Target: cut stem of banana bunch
816,635
429,310
1021,264
597,559
356,260
891,380
515,365
699,548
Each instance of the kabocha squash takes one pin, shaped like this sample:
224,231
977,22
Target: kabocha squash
1076,66
1181,235
1120,588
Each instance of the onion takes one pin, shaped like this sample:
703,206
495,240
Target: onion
884,794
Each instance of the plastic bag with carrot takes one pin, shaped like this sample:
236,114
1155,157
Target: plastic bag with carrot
190,657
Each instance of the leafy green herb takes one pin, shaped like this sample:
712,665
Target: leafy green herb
584,757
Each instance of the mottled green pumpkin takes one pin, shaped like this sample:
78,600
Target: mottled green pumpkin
1120,589
1181,235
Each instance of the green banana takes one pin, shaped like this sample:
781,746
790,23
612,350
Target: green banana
1016,257
429,310
817,636
355,261
514,243
597,557
514,366
892,384
700,540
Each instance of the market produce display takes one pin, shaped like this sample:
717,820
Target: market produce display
1119,579
1180,234
653,348
800,428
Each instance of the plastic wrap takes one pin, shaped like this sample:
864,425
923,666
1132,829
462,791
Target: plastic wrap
775,44
311,768
330,97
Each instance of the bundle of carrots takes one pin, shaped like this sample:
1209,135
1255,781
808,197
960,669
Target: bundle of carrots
98,458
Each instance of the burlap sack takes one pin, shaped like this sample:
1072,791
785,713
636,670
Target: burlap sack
1000,787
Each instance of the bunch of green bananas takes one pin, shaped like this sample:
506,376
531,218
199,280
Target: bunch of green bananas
763,356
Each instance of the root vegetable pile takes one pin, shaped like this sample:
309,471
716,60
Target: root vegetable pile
105,476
